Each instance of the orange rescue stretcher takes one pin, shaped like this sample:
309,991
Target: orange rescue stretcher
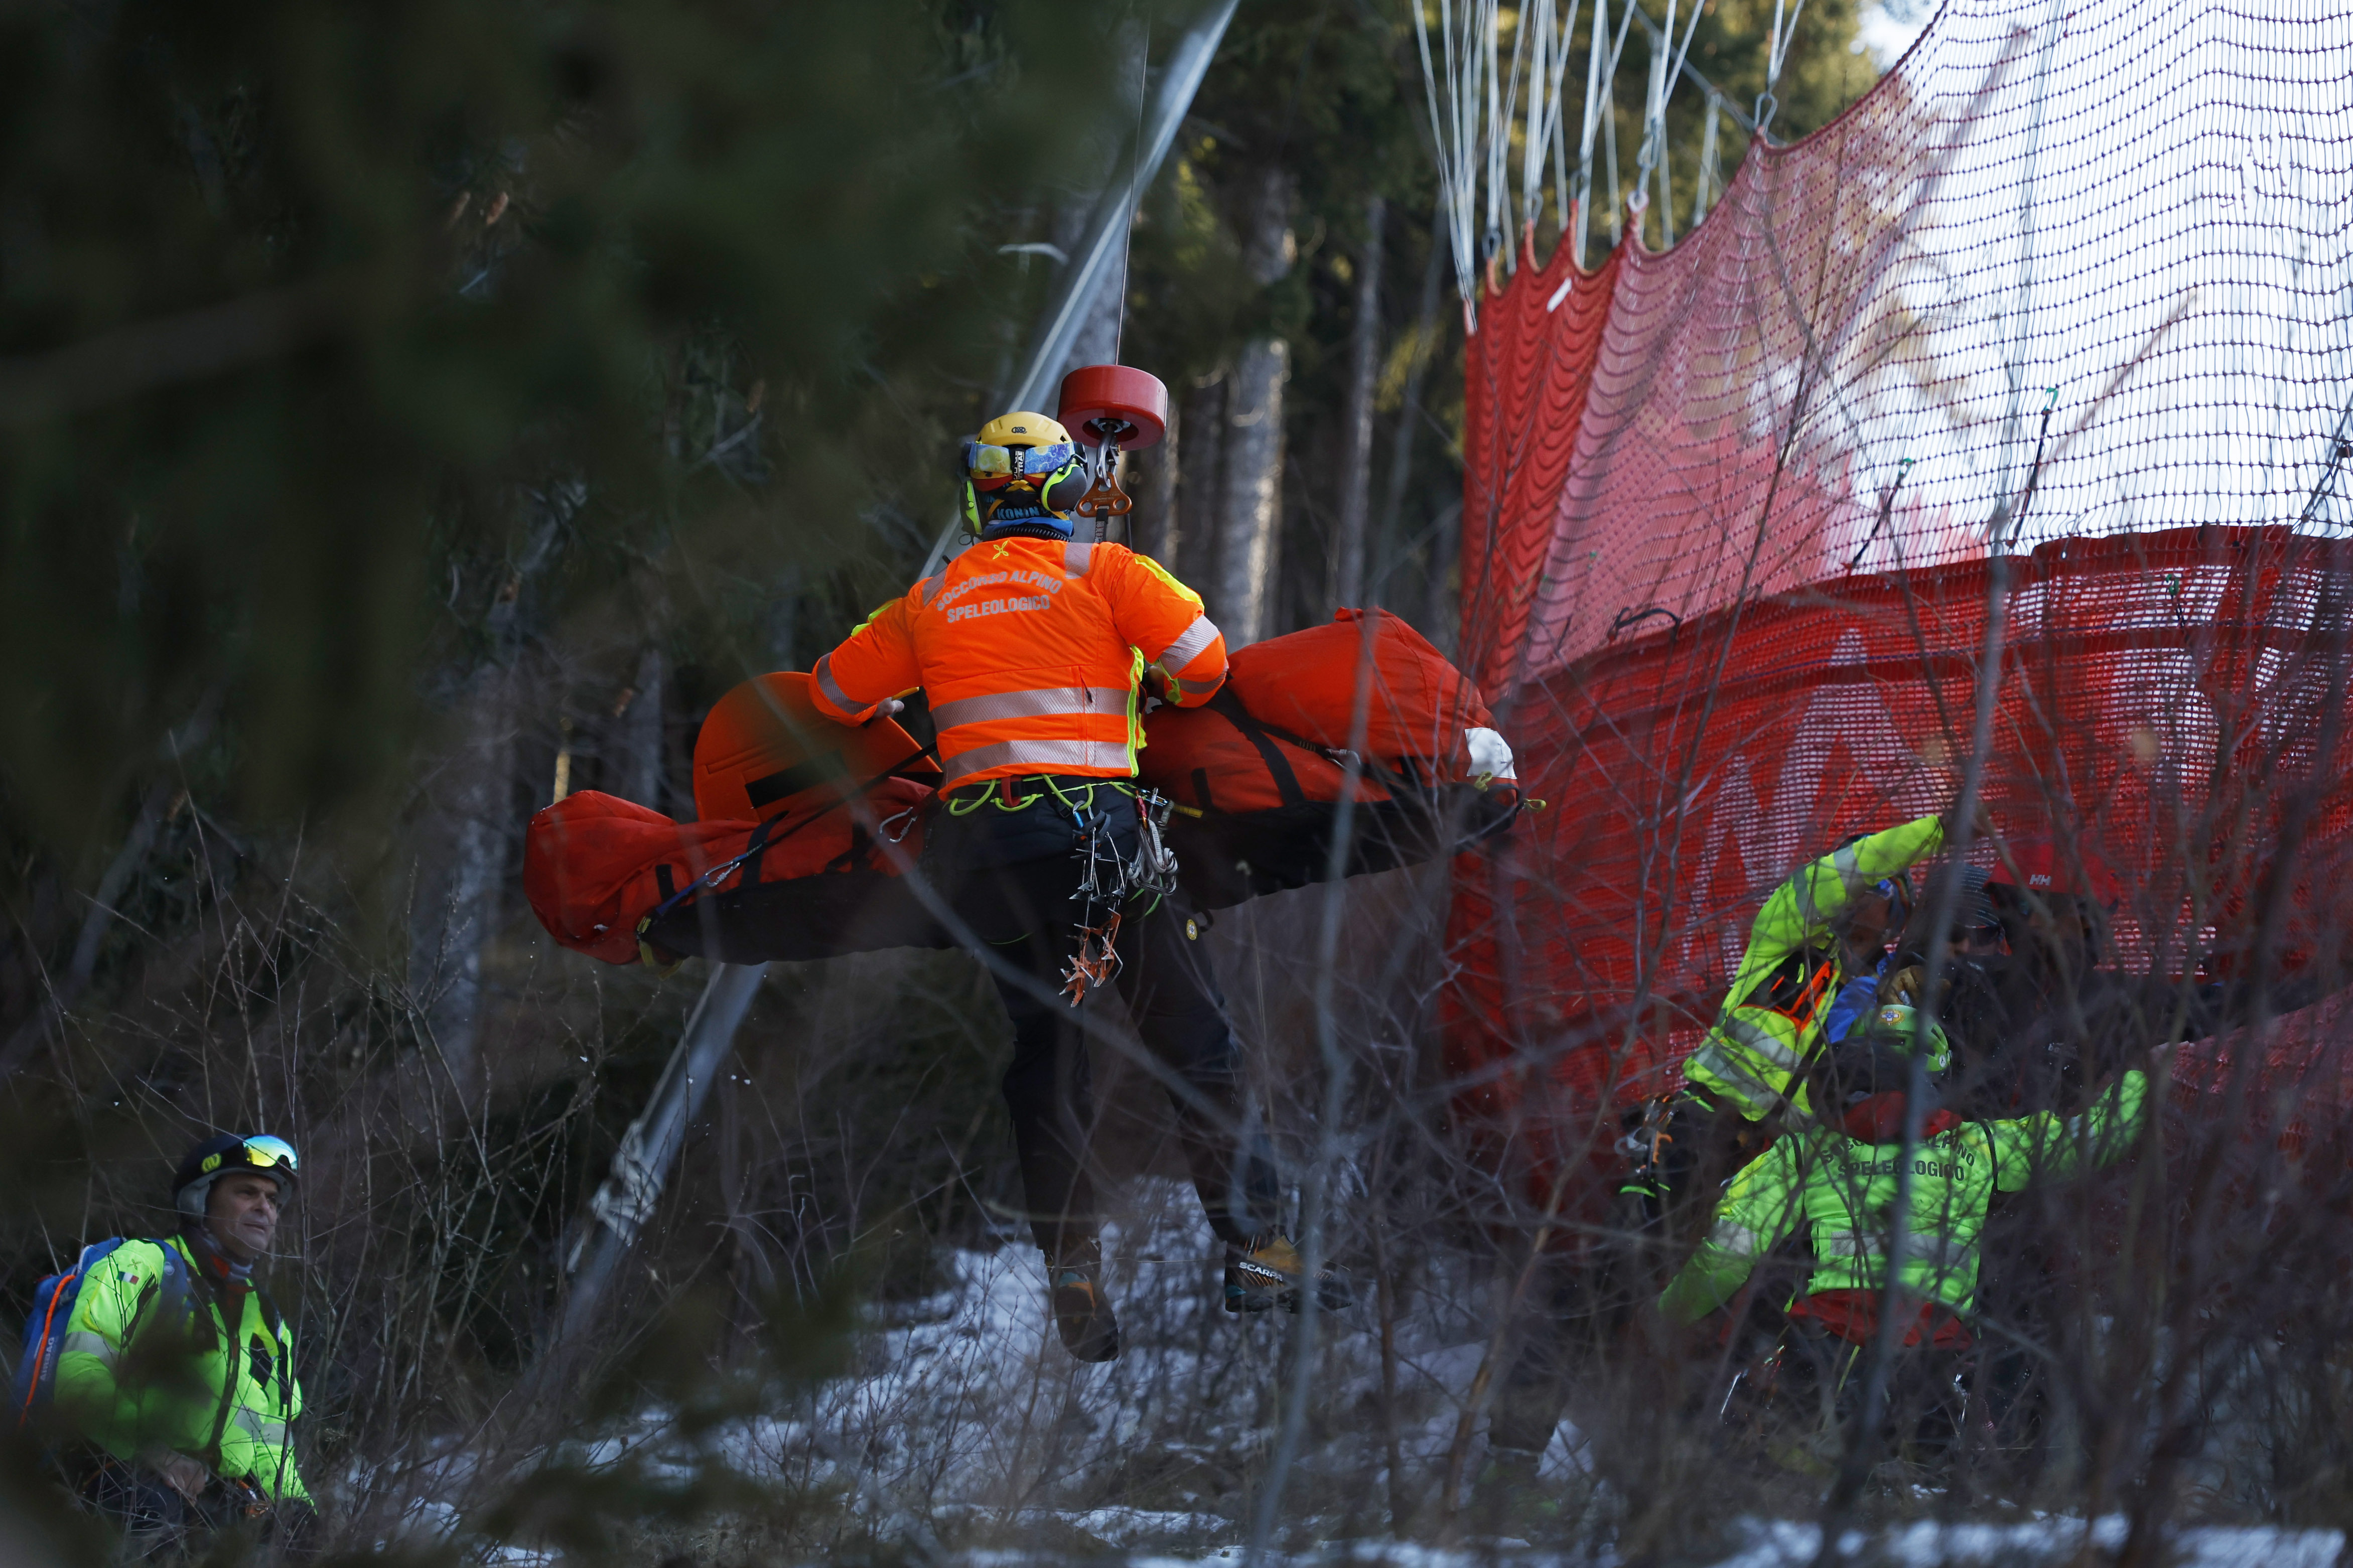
808,829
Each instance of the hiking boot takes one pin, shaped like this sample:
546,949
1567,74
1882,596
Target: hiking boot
1083,1313
1267,1273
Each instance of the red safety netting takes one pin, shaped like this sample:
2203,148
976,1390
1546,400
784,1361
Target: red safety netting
2291,1078
2070,281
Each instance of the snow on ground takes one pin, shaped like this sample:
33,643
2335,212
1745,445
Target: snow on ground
965,1410
967,1398
1786,1543
962,1414
963,1419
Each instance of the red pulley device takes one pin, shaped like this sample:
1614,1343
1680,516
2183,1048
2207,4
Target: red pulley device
1115,402
1111,408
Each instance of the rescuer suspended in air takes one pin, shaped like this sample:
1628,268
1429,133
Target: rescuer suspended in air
1033,649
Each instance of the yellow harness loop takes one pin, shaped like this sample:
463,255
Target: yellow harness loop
995,793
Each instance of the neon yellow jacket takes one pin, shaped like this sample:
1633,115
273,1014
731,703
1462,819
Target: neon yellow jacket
128,1380
1772,1018
1845,1190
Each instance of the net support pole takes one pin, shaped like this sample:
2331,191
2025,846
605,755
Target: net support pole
641,1166
1106,232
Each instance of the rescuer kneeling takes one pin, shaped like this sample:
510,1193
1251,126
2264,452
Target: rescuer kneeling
1828,923
1031,647
1824,929
1849,1179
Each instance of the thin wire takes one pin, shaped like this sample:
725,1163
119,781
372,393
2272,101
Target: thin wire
1503,104
1453,135
1135,172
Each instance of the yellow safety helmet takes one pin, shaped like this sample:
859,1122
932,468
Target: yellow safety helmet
1022,467
1023,430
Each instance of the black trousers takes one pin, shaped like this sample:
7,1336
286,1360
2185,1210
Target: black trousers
1011,874
159,1524
1803,1402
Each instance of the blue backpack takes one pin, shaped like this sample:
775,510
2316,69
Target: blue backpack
53,1309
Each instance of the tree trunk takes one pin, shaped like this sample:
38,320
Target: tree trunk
1445,611
1409,422
638,775
469,808
465,857
1364,382
1194,555
1251,509
1154,528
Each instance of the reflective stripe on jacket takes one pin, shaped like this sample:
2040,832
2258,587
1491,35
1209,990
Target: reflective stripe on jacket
1754,1048
1029,651
1844,1189
174,1397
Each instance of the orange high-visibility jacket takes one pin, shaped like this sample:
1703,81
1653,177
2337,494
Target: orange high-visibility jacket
1029,650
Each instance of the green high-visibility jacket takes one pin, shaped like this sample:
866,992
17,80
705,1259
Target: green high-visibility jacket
1845,1190
224,1393
1772,1018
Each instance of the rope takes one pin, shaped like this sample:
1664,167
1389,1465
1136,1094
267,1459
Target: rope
1547,67
1135,174
1600,98
1775,53
1453,127
1502,101
996,791
761,842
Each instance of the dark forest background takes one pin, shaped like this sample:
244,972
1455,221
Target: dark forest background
411,412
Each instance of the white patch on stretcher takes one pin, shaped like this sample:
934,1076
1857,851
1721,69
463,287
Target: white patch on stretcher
1491,755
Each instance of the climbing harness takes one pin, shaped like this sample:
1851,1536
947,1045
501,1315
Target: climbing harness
1098,896
1646,1145
1156,863
1109,883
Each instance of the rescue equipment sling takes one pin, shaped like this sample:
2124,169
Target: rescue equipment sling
785,863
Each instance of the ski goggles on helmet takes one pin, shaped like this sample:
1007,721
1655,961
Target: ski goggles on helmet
230,1155
993,465
264,1154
